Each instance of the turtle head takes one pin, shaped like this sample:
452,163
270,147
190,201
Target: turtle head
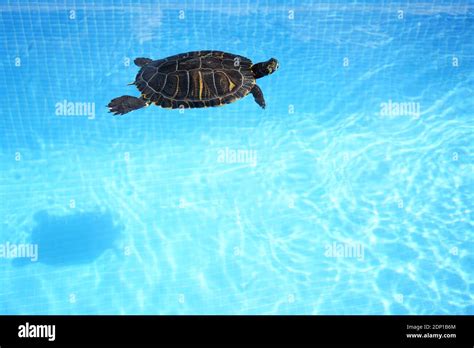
272,66
265,68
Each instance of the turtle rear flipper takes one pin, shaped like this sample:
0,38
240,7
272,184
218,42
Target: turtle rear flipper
141,62
124,104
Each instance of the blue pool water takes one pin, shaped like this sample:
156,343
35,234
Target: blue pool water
351,193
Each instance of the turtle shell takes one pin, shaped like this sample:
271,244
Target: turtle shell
196,79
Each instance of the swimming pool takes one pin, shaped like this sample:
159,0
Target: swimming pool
351,193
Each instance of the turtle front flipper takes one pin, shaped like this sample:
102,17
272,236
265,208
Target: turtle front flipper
258,95
124,104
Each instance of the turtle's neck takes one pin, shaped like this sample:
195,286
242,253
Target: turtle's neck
260,70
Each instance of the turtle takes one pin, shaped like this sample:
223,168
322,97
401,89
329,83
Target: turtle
196,79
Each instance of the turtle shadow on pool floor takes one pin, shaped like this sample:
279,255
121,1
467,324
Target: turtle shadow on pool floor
72,239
